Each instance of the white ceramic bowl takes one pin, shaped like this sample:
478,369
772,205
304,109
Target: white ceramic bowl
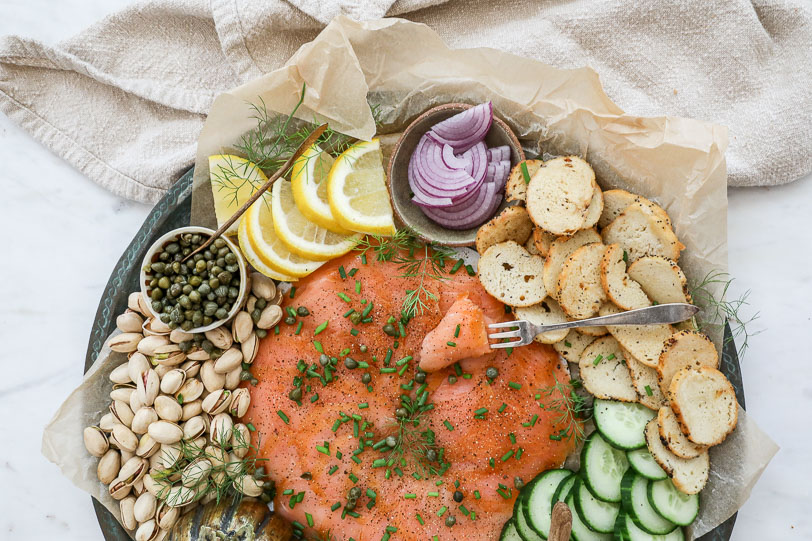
173,235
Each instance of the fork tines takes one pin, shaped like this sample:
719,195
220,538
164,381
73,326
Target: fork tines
517,333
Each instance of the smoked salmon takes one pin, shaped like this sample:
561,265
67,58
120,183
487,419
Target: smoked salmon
333,395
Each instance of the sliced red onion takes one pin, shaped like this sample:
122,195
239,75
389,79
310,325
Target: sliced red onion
456,162
464,130
431,171
495,170
478,156
497,154
501,175
474,213
420,197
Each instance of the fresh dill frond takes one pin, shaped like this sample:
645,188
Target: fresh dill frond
572,408
414,445
710,294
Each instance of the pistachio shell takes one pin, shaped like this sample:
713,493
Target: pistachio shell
129,321
250,304
180,495
166,516
136,403
168,408
145,507
195,472
148,386
125,342
189,391
194,428
249,486
126,455
172,380
234,467
217,402
147,531
228,361
149,343
119,374
156,487
134,303
155,327
242,326
211,380
240,400
142,419
122,412
270,316
161,371
190,409
107,422
169,359
221,427
122,391
124,438
127,506
138,487
137,365
179,335
169,455
233,378
262,286
249,348
197,354
118,489
220,337
108,467
240,440
217,456
165,432
133,470
197,446
95,441
192,368
147,446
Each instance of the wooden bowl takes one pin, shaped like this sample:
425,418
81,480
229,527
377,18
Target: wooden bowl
407,213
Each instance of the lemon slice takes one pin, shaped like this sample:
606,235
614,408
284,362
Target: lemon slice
254,259
300,235
262,237
233,181
356,189
308,178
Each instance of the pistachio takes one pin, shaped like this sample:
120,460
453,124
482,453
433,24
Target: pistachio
242,326
191,368
220,337
149,343
277,300
165,432
189,391
118,489
190,409
233,378
108,467
166,516
172,380
123,438
142,419
179,335
197,354
148,386
125,342
228,361
249,348
234,467
95,441
249,486
145,507
196,447
180,495
168,358
240,400
240,440
155,327
270,316
137,364
170,454
161,371
133,470
251,304
217,402
262,286
138,487
122,391
120,374
127,506
126,455
147,531
217,456
196,472
221,427
129,321
168,408
194,428
122,412
135,303
156,487
135,401
147,446
210,378
107,421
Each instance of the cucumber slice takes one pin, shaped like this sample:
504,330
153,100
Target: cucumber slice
509,532
524,529
622,423
580,531
598,515
620,530
631,532
679,508
644,464
602,467
563,490
635,501
538,503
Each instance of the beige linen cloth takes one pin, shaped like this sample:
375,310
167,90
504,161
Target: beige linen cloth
124,101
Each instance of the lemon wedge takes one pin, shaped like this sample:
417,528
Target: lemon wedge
356,190
308,178
233,181
254,260
300,235
267,244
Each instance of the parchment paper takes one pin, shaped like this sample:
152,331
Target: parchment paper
404,68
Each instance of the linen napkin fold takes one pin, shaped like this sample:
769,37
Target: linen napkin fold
124,101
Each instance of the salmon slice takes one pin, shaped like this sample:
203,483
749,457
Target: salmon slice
461,334
315,456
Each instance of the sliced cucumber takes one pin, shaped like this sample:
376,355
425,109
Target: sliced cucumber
622,423
580,531
635,501
525,531
602,467
679,508
538,501
644,464
598,515
632,532
620,530
509,532
563,489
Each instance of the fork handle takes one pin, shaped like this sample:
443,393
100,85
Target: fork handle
659,314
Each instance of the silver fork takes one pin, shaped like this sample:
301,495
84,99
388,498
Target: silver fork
659,314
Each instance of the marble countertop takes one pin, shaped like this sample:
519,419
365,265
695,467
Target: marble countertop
65,234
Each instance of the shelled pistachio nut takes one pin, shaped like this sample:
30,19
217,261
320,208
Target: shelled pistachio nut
133,470
155,327
211,380
138,487
129,321
127,508
123,438
147,446
157,487
108,467
122,412
95,440
118,489
240,440
221,429
233,378
168,408
125,342
148,345
145,507
217,402
196,472
190,390
190,409
250,304
262,287
240,400
167,356
136,403
192,368
148,386
120,374
242,326
165,432
228,361
249,486
270,316
249,348
172,381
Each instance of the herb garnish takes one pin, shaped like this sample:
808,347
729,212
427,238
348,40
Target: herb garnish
572,408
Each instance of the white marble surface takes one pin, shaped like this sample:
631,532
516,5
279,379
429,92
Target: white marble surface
63,235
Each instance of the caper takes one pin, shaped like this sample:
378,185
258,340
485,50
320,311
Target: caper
391,441
187,325
230,258
221,291
224,277
431,455
207,346
164,317
450,520
197,318
207,320
221,313
172,325
204,288
420,376
390,330
245,375
223,251
302,311
158,306
255,314
185,346
295,394
194,281
350,505
220,262
261,333
261,304
194,297
176,267
219,242
184,301
214,283
233,268
355,493
400,413
290,320
164,283
200,266
207,255
518,482
366,378
158,267
363,348
324,359
163,256
491,372
195,238
452,379
153,283
350,363
457,496
216,354
172,248
157,294
355,317
175,290
210,308
233,292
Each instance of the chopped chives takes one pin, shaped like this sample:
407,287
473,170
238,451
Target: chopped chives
649,392
433,494
404,360
480,411
512,437
335,506
276,329
355,459
597,360
314,397
367,310
296,524
353,477
388,357
442,511
449,426
533,420
320,328
525,172
287,492
318,346
403,369
502,407
514,385
353,514
332,469
464,510
342,272
379,462
391,529
457,369
502,493
251,427
299,328
363,364
388,370
339,455
354,332
457,331
509,351
449,343
470,270
519,453
507,455
336,425
358,286
410,496
402,329
344,352
343,296
348,313
291,312
283,416
566,343
456,266
363,405
476,495
490,462
611,357
386,536
309,518
364,259
292,291
555,437
420,519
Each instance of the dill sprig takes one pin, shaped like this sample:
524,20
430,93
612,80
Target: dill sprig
413,442
572,408
710,294
414,258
